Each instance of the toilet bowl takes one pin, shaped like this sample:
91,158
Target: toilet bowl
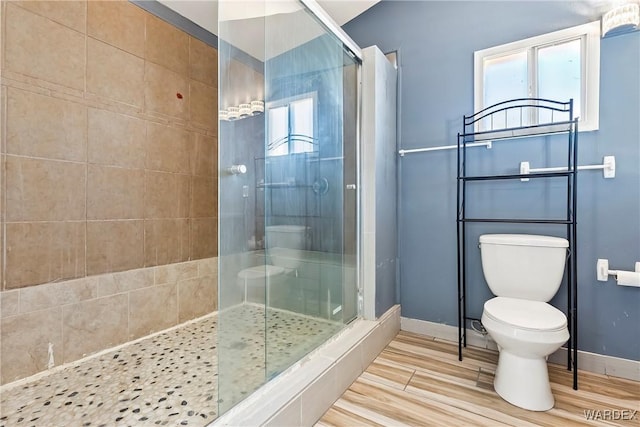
526,333
524,272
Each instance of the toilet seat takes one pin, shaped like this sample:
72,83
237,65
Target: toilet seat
525,314
260,277
260,271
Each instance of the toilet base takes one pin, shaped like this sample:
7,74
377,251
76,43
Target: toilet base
523,382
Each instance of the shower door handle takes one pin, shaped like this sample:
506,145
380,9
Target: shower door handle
351,187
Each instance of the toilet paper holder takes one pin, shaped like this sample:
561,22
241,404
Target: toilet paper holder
603,272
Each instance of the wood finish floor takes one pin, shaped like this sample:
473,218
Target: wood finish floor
418,381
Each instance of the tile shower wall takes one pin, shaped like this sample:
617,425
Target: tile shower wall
84,316
109,164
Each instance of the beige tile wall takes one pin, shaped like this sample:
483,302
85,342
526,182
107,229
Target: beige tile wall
84,316
109,142
108,155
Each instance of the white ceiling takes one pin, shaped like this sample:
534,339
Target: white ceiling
343,11
205,12
244,21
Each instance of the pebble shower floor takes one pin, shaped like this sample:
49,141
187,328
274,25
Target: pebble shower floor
167,379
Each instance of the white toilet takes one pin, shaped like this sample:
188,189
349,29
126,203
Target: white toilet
524,272
284,243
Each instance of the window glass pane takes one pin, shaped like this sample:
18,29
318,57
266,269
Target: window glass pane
302,125
278,131
559,76
505,77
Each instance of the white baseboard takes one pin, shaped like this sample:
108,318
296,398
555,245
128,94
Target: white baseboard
446,332
591,362
601,364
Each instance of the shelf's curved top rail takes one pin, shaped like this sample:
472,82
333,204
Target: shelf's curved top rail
528,112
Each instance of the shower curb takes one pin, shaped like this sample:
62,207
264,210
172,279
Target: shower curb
305,391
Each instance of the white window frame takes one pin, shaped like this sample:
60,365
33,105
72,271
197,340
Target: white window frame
590,64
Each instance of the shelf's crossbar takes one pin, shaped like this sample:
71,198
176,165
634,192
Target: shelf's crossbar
518,221
520,132
516,176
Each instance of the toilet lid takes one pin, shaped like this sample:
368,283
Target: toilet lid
525,314
260,271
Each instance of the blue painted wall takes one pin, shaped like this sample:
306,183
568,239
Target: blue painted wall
436,41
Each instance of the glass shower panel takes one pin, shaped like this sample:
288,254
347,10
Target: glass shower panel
241,264
305,195
287,226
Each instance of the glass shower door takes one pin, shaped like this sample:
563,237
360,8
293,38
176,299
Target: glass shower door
310,176
288,219
242,266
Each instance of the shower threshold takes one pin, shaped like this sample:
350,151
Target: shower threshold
169,378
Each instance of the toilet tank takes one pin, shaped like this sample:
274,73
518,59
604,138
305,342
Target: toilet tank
286,236
523,266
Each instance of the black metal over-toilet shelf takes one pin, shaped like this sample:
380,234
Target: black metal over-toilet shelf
525,109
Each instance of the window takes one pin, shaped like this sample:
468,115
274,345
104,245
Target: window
290,126
559,66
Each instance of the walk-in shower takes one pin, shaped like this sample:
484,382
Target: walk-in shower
287,225
160,263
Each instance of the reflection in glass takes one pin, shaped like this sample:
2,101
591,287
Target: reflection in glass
278,125
291,126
